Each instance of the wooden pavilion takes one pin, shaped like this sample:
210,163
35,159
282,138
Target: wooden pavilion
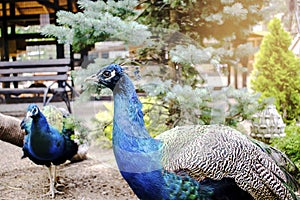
24,13
33,80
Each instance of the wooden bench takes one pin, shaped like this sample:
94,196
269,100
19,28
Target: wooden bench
38,80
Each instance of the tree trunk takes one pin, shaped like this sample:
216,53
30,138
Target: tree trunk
235,73
174,74
229,75
10,130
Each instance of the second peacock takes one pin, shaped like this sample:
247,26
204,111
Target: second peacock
46,145
191,162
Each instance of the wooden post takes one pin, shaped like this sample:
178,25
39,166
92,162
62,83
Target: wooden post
176,74
236,85
5,48
60,53
229,74
244,62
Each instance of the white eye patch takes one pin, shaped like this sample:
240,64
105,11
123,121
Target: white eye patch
113,74
35,111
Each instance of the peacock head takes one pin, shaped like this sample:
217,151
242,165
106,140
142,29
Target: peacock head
32,111
108,76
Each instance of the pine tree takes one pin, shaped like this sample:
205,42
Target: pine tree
227,22
276,71
99,21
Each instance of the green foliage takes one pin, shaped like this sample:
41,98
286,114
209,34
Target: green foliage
187,57
240,104
103,121
276,72
190,54
153,121
54,116
187,105
216,26
99,21
180,28
184,104
154,115
57,118
290,144
81,130
245,49
204,19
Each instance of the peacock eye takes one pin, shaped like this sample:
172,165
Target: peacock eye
35,111
106,74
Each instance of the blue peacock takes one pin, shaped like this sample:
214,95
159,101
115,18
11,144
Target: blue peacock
46,144
189,162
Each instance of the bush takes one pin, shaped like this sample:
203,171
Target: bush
290,144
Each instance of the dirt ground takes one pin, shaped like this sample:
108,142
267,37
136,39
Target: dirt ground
94,178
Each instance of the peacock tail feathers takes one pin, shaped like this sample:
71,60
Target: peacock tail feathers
184,187
287,166
280,158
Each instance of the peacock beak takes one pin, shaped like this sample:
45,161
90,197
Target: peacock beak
26,119
28,115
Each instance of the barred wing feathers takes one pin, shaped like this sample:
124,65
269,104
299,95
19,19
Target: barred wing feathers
233,155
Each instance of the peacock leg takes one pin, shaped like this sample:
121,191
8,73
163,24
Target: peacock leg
54,174
52,189
55,181
52,178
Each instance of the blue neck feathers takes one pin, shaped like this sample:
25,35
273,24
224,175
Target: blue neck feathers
138,155
39,125
45,141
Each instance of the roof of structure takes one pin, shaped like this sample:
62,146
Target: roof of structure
27,12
